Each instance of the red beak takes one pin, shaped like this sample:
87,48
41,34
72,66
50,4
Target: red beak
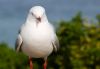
39,19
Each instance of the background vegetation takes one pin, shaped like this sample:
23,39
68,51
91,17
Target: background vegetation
79,48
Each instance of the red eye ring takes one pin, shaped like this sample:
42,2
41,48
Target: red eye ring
32,14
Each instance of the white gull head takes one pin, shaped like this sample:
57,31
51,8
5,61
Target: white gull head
37,14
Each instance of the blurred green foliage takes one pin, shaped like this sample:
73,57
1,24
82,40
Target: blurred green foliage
79,48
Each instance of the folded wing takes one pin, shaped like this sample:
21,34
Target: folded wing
55,43
18,43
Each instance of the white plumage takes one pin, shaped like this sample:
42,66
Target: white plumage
37,37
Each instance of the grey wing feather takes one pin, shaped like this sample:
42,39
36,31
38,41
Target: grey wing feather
55,44
18,43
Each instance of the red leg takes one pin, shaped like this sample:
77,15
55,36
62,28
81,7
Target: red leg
31,64
45,64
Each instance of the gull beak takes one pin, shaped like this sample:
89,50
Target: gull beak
39,19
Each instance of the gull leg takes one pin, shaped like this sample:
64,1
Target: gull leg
45,64
31,64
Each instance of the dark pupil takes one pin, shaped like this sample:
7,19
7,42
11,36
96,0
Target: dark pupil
32,14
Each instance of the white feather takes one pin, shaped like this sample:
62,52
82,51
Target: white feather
37,37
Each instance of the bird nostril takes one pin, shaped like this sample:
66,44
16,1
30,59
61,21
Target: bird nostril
39,19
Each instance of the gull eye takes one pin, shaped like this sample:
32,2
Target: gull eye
32,14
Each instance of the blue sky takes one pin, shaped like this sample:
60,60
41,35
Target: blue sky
14,12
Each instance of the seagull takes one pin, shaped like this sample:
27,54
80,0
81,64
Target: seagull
37,37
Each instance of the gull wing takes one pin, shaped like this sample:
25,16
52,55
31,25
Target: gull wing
55,44
18,43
